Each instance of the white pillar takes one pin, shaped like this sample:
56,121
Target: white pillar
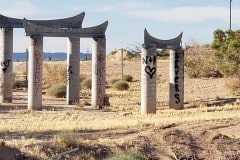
148,79
73,70
35,73
98,72
176,85
6,76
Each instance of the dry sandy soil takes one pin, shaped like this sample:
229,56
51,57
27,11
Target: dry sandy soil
208,128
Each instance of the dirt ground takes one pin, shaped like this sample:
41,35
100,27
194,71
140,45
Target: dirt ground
181,135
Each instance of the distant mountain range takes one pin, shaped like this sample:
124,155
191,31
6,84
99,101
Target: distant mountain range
57,56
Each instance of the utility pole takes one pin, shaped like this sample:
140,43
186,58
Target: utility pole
27,57
230,27
122,61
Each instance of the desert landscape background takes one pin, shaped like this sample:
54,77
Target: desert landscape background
207,128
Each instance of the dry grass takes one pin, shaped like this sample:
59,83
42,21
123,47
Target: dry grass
100,132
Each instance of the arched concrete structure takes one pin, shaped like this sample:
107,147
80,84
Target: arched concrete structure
6,42
176,84
99,50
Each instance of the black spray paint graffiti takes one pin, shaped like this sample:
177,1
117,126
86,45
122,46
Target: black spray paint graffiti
150,68
5,64
177,78
69,72
37,71
100,72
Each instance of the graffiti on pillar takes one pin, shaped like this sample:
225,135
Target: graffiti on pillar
150,68
176,78
37,71
5,64
69,72
100,72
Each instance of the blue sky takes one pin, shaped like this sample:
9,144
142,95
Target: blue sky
164,19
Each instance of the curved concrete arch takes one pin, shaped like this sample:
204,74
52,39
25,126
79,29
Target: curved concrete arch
32,29
174,43
70,22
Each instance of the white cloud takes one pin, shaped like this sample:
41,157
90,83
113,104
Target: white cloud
171,15
123,7
20,9
187,14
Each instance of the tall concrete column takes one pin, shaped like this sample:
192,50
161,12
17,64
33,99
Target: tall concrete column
6,76
73,70
35,73
98,72
176,85
148,79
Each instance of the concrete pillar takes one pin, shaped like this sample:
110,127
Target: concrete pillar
73,70
6,76
176,98
98,72
148,79
35,73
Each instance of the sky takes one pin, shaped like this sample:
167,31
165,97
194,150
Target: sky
164,19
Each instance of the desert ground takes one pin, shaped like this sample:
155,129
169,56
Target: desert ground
208,127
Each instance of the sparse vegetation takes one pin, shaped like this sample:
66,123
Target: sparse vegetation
127,78
200,61
86,84
16,84
57,90
121,85
113,81
54,73
127,155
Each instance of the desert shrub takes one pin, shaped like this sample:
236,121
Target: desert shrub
121,85
234,86
86,84
199,61
16,84
127,155
54,73
57,90
113,81
66,139
127,78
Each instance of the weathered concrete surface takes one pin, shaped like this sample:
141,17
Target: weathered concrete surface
32,29
6,76
35,73
73,70
98,72
70,22
148,79
176,85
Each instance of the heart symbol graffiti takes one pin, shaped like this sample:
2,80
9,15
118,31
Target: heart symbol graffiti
150,71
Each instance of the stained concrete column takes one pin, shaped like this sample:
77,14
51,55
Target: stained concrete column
148,79
6,76
176,85
98,72
73,70
35,73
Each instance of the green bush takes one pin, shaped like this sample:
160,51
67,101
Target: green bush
86,84
121,85
57,90
127,78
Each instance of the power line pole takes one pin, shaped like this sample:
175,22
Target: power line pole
230,15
